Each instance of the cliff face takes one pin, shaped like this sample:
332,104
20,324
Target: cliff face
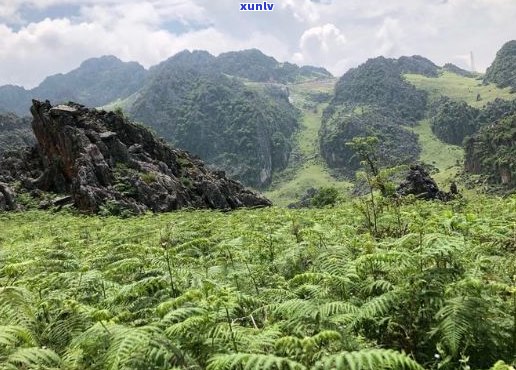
492,152
105,162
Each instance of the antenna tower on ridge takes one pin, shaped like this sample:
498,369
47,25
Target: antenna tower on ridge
472,62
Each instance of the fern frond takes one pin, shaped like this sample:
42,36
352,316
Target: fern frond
380,305
191,295
371,359
16,306
337,308
125,343
193,325
248,361
142,288
181,314
33,356
456,321
13,335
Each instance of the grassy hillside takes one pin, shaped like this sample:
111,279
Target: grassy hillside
306,168
459,88
261,289
447,158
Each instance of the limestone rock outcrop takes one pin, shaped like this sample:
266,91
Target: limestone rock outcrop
419,183
105,162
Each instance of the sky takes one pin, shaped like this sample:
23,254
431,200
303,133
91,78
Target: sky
39,38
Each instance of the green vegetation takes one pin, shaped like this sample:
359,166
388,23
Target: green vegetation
502,71
15,132
379,84
255,66
306,168
448,159
432,288
241,129
325,197
375,100
453,121
458,88
492,152
344,125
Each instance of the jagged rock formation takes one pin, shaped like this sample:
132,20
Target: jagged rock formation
105,162
419,183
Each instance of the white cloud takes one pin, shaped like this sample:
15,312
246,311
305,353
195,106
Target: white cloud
335,34
391,38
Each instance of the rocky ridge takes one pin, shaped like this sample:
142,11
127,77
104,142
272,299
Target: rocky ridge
103,162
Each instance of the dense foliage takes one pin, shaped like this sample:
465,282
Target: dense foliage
502,71
432,288
379,83
15,132
418,64
254,65
375,100
95,82
250,64
496,110
492,152
453,120
245,131
346,124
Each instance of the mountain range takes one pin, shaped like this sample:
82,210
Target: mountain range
246,113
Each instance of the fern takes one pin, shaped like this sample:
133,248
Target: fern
33,357
456,322
12,336
372,359
248,361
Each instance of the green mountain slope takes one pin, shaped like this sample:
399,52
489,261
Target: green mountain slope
306,168
232,110
459,106
457,87
374,100
15,132
242,130
502,71
95,82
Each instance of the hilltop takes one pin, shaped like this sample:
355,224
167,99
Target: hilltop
97,81
502,71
